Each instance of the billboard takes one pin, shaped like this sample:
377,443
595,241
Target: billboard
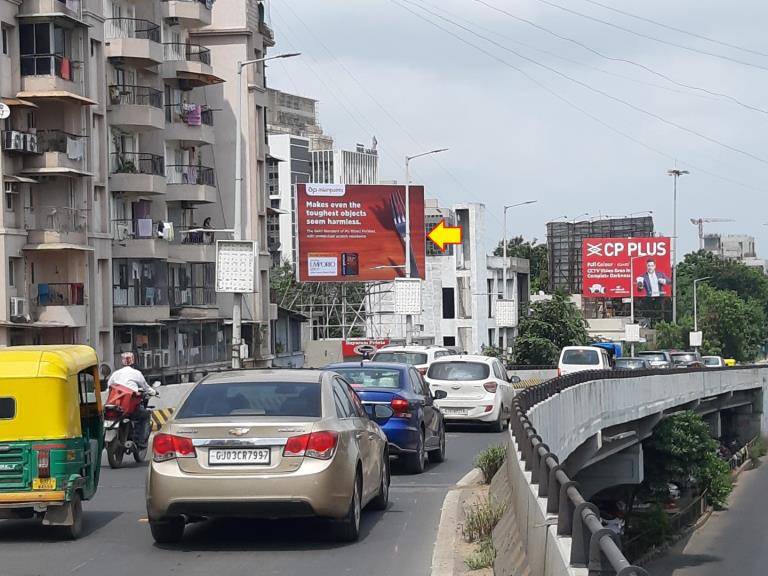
355,347
356,233
620,267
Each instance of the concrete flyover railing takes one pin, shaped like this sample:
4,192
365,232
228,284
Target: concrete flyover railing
562,531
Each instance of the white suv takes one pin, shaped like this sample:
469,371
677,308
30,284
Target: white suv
420,357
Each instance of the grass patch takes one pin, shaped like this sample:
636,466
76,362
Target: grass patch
481,520
482,557
757,451
490,460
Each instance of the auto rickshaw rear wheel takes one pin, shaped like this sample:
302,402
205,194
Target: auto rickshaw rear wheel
74,530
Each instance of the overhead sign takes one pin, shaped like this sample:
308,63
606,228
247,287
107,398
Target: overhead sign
362,346
443,235
408,296
632,333
622,267
354,233
696,338
235,266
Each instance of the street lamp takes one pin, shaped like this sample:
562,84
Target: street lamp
504,255
675,173
237,233
696,301
408,259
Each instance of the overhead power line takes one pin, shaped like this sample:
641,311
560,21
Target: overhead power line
622,60
575,106
622,101
680,30
653,38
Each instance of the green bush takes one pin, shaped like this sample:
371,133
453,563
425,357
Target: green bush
654,526
481,520
757,451
482,557
490,460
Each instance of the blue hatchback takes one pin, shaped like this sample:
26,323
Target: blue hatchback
416,430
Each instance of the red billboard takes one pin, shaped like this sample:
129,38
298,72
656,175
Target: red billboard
618,267
356,233
356,347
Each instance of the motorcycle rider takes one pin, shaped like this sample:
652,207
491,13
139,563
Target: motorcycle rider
132,378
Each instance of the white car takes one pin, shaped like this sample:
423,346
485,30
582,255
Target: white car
713,361
477,389
581,358
420,357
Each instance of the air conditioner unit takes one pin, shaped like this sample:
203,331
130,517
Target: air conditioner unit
18,307
30,143
145,360
13,140
166,363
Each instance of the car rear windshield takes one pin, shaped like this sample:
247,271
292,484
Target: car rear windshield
711,361
253,399
653,356
681,358
581,357
414,358
371,377
623,363
458,371
7,408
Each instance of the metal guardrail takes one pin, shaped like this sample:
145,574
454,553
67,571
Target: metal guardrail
593,545
742,455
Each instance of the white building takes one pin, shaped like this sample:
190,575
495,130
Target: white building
459,293
336,166
732,246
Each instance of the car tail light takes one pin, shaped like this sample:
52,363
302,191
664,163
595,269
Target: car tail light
400,407
319,445
44,463
559,372
491,387
169,447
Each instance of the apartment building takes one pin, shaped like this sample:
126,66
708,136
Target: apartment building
110,177
55,238
338,166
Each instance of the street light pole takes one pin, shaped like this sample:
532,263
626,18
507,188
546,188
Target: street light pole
408,262
675,173
504,256
696,303
237,229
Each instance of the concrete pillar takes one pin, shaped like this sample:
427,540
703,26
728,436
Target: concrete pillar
715,424
625,467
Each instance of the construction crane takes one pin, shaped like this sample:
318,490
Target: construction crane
700,223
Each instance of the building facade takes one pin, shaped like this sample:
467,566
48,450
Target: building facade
459,293
296,115
112,179
337,166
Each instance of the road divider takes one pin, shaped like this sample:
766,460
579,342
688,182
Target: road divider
160,417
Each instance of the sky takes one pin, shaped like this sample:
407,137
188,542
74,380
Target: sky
589,121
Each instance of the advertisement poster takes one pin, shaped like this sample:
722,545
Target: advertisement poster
618,267
356,233
357,347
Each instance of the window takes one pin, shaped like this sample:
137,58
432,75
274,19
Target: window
7,408
5,40
12,272
449,303
11,190
418,384
354,399
280,399
497,372
581,357
449,340
371,377
415,358
458,370
344,408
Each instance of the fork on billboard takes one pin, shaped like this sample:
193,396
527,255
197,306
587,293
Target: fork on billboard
397,203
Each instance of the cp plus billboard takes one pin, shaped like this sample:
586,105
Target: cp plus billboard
618,267
354,233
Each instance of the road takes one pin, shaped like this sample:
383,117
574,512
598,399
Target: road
117,541
732,541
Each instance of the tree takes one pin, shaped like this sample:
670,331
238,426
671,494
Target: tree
551,325
681,449
535,253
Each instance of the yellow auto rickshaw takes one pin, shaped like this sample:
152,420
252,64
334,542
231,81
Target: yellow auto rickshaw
729,362
51,433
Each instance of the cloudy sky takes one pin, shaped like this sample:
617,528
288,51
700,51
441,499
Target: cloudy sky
528,115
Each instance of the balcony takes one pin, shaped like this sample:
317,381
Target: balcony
191,184
135,108
189,65
192,296
139,302
56,225
54,77
60,303
193,245
60,153
191,13
190,124
68,8
134,40
139,172
153,360
138,238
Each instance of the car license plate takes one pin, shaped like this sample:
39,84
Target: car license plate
455,411
239,456
44,484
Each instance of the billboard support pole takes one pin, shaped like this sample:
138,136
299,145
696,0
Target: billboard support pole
675,173
632,299
408,317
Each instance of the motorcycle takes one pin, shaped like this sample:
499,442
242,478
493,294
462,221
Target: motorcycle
120,428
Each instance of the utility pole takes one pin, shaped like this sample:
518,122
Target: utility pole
504,257
675,173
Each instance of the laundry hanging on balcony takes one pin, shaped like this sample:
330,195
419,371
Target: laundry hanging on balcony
74,148
193,114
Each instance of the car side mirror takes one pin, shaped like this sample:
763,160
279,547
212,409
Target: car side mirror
514,379
379,413
439,394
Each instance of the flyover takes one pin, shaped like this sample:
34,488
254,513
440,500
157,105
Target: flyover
575,435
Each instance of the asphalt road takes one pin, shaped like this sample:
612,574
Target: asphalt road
396,542
732,542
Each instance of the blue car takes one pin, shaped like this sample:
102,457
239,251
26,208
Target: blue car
416,430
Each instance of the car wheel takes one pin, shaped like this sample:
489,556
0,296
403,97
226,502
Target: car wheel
382,498
414,463
168,531
75,530
348,528
498,424
439,454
